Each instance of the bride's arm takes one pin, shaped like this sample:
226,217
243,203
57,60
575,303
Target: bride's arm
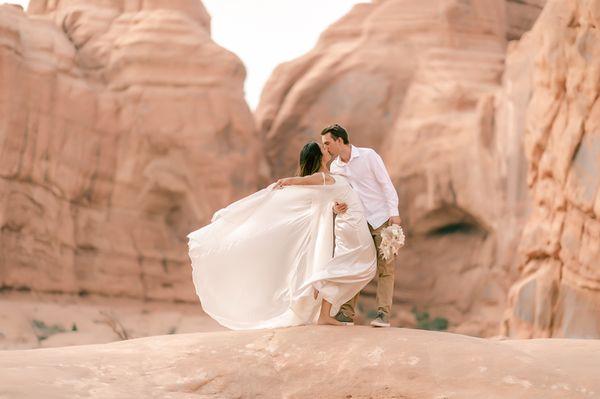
311,180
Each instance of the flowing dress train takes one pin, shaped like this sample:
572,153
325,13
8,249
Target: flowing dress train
259,260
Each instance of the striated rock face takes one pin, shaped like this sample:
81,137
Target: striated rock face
122,128
357,362
448,164
360,69
420,81
520,16
558,294
356,75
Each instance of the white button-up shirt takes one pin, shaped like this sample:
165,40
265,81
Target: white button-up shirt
369,178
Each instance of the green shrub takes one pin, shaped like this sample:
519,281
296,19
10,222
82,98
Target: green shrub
424,322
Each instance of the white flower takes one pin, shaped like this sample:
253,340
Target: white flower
392,239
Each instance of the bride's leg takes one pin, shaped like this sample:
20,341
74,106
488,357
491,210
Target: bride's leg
325,318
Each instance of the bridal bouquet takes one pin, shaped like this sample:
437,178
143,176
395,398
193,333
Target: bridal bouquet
392,239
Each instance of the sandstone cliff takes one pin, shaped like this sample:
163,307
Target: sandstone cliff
360,69
122,127
558,294
520,16
419,81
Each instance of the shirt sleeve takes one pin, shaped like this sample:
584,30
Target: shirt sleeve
383,178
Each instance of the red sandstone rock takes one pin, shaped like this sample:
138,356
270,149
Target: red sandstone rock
308,362
558,294
122,127
419,81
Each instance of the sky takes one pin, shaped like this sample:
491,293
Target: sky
265,33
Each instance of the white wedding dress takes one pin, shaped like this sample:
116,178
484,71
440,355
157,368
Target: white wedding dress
257,264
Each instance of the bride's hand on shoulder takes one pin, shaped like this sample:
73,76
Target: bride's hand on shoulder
286,181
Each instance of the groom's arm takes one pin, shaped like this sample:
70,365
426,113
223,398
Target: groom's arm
389,191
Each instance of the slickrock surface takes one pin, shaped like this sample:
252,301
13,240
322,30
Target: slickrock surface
35,320
123,126
558,294
307,362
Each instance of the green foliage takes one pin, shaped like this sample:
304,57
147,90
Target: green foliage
424,323
43,331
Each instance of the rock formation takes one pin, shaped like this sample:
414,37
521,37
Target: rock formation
122,128
419,81
343,362
360,69
520,15
558,294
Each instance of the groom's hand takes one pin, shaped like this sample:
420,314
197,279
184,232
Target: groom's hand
339,207
395,220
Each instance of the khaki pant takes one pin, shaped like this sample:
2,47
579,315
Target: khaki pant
385,280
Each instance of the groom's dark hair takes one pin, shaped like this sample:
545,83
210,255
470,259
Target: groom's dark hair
337,132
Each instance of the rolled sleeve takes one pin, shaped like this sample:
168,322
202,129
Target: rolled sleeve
383,178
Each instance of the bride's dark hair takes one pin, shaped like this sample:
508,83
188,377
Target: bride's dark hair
310,159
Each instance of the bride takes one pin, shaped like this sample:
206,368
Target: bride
277,258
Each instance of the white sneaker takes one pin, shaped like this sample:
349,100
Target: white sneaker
382,320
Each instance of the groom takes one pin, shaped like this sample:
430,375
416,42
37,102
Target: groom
366,173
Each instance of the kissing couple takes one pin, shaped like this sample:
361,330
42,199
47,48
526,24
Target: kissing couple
300,250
